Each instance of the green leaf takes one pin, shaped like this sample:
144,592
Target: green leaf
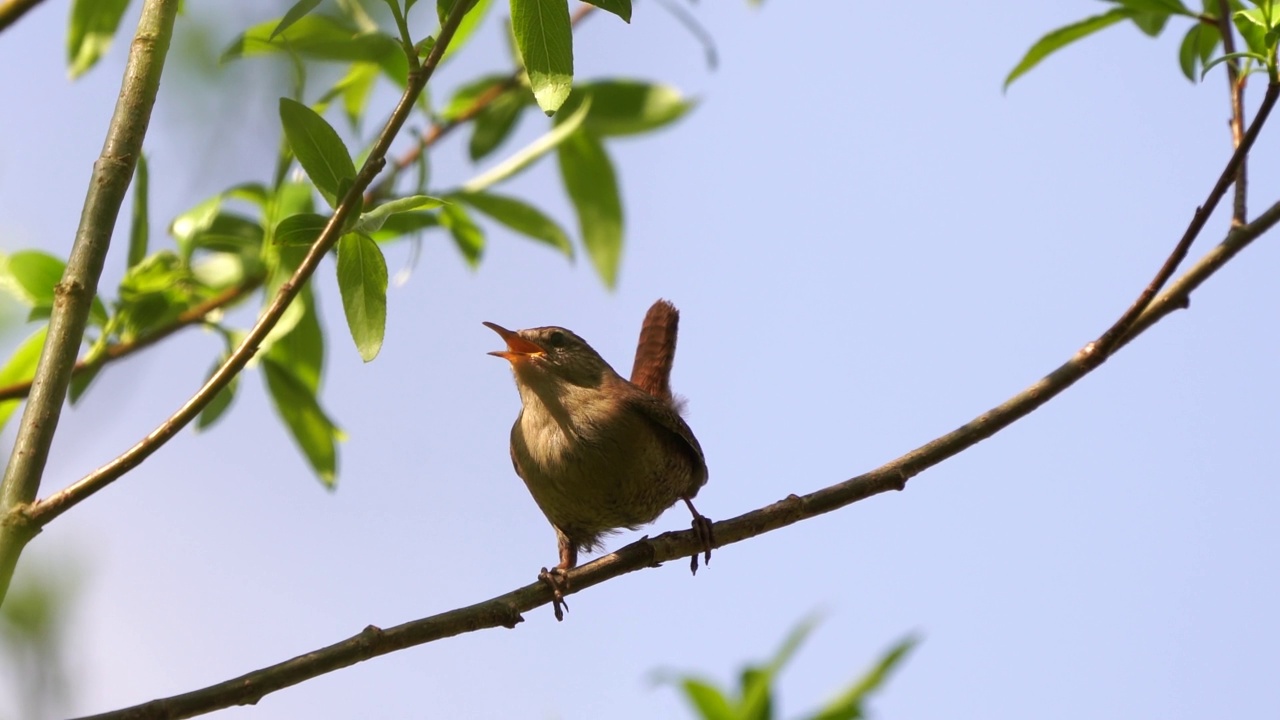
545,40
1062,37
466,234
312,430
362,279
629,107
1150,23
30,276
1197,46
466,96
1162,7
318,37
318,148
140,227
495,123
848,705
300,230
21,367
405,224
187,227
372,221
153,293
520,217
356,87
621,8
1252,25
299,10
525,157
707,700
93,24
80,383
220,402
589,179
300,347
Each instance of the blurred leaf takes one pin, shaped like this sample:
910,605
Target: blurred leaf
589,179
707,700
521,217
474,17
318,148
621,8
494,124
1163,7
1197,47
1151,23
140,228
80,383
466,234
31,277
312,430
93,24
301,348
220,402
319,37
302,229
227,232
362,279
848,705
757,682
1063,36
1252,25
21,367
525,157
153,293
189,225
466,95
545,40
372,221
629,107
356,87
293,15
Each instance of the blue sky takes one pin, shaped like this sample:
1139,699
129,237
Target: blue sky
870,245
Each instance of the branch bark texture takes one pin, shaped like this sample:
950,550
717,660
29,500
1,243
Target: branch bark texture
110,180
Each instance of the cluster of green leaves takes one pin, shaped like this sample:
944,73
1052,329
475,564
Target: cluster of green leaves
1256,21
254,235
754,698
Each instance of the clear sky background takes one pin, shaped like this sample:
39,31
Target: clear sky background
870,245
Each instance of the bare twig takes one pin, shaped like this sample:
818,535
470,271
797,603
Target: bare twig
116,351
506,610
1235,84
74,293
38,514
12,10
1100,349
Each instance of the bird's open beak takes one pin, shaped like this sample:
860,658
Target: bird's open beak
518,348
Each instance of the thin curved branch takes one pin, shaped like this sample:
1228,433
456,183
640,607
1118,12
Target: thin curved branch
194,315
13,10
38,514
1235,85
74,293
505,610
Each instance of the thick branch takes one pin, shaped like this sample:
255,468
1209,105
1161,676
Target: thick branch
39,514
505,610
193,316
74,294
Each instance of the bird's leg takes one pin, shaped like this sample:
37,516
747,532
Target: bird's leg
703,529
557,578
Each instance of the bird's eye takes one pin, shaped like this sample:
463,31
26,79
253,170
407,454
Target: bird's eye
557,339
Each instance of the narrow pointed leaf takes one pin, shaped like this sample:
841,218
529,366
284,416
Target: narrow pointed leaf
300,230
628,107
312,430
362,279
466,234
848,705
318,148
521,217
293,15
93,24
372,221
593,188
1062,37
545,40
472,20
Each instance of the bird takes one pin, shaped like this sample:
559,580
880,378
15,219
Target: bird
598,452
